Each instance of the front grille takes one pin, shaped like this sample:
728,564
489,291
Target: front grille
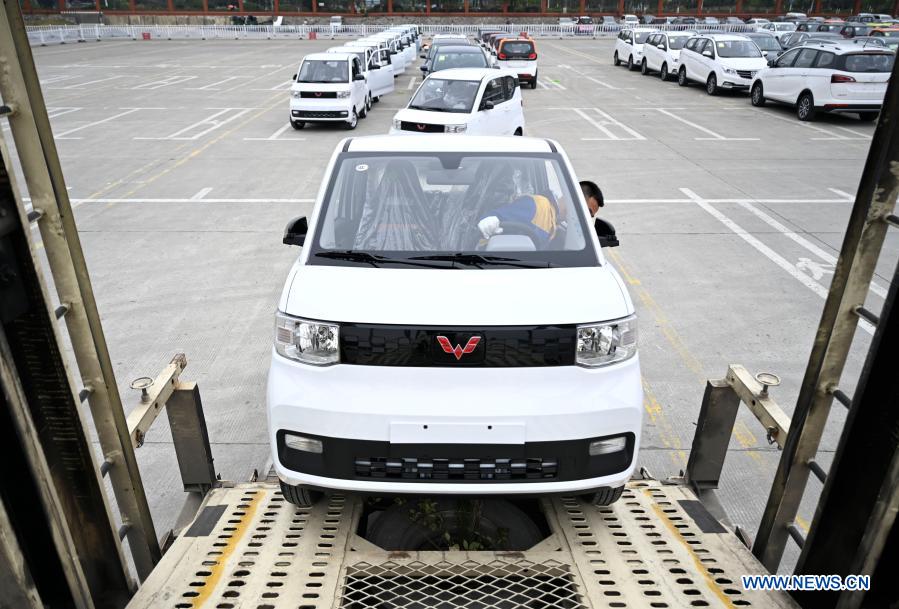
424,468
748,74
319,114
421,127
319,94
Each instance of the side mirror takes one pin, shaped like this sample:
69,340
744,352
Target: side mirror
423,68
295,233
359,77
294,77
771,63
487,105
765,53
422,56
604,230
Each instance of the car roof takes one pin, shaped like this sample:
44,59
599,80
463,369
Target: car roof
759,35
470,50
679,33
447,143
329,56
470,73
844,47
644,29
725,37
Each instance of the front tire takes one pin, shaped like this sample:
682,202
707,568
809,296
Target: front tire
519,131
805,107
643,69
615,59
711,85
682,77
534,82
603,496
757,95
300,496
630,63
354,120
663,73
297,125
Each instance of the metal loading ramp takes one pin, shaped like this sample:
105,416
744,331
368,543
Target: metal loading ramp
657,547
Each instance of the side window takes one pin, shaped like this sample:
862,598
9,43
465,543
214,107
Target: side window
786,60
806,58
508,87
700,45
356,69
825,60
691,44
494,92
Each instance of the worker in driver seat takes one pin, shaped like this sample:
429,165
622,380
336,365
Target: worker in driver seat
539,211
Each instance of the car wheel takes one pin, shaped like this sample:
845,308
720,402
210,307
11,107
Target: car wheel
534,82
643,69
354,120
867,117
711,85
805,107
297,124
604,496
376,99
368,103
300,496
757,96
363,112
682,77
630,62
519,131
615,59
663,73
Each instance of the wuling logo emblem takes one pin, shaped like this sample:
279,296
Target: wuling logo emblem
317,94
420,127
459,350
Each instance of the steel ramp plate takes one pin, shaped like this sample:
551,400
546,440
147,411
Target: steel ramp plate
655,548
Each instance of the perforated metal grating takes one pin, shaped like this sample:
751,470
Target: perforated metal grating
251,549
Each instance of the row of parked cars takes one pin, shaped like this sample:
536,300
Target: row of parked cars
836,76
342,84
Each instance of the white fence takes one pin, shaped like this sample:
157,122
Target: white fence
52,34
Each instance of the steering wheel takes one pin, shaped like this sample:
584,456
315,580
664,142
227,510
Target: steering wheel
521,228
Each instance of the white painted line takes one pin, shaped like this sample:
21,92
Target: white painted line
51,113
830,134
59,78
590,78
842,193
861,135
817,251
769,253
90,82
201,194
255,79
599,126
714,136
158,84
605,119
215,84
100,122
209,120
276,136
541,84
281,86
411,83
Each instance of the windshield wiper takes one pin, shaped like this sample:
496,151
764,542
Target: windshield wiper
477,260
374,259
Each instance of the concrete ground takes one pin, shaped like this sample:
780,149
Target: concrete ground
184,172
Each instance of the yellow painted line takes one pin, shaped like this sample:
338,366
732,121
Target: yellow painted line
218,569
667,433
700,566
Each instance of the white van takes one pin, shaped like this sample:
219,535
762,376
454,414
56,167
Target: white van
451,326
329,88
402,55
629,46
661,53
476,101
378,75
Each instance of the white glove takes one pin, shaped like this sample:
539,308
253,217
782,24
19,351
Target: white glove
489,226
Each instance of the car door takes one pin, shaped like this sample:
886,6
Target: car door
797,75
651,51
688,55
494,121
512,87
774,82
359,87
703,64
380,78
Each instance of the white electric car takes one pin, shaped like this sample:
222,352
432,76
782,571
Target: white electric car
661,53
329,88
629,46
474,101
451,326
720,61
375,67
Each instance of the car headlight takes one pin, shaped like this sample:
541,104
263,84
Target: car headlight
455,128
342,94
606,343
296,95
310,342
397,123
730,71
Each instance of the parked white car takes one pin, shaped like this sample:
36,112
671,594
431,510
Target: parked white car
418,350
476,101
519,55
835,78
778,28
720,61
329,88
661,53
629,46
375,67
399,58
630,21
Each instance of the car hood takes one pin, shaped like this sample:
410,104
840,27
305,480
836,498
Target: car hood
433,118
465,297
744,63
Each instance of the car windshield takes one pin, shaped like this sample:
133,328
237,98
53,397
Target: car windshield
443,95
427,206
320,70
767,43
443,61
868,62
677,42
737,48
640,37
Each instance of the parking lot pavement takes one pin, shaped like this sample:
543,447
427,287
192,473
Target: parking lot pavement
183,171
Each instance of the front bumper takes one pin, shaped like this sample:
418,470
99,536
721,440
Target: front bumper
735,82
435,416
332,111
